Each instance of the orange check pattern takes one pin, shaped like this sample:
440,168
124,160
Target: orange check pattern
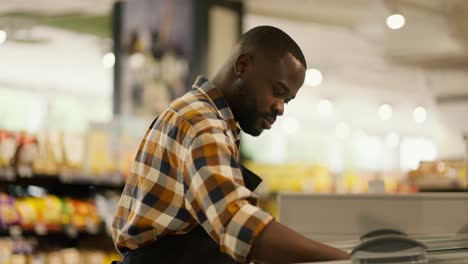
186,173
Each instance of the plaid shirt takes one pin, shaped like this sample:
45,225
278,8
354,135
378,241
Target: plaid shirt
186,173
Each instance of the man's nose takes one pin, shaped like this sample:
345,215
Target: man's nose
278,107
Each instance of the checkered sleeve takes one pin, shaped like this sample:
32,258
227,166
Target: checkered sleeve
216,196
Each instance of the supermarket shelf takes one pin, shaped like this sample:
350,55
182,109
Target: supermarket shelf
439,185
67,185
53,234
443,190
62,239
61,186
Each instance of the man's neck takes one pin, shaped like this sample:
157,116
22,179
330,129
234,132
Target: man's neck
223,81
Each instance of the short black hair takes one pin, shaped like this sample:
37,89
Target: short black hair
271,39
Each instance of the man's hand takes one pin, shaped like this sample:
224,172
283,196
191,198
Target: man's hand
279,244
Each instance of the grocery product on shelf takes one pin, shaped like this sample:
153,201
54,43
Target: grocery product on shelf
8,214
84,215
6,250
100,160
27,252
130,132
104,154
49,195
43,164
42,215
98,157
8,146
440,175
49,212
111,147
317,178
25,154
73,152
27,210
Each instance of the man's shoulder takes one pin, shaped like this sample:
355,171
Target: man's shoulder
197,110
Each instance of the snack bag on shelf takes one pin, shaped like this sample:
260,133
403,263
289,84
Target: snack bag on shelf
439,174
73,153
19,259
85,216
40,226
46,161
27,209
26,153
54,258
6,251
8,145
318,179
93,257
78,213
22,252
50,212
66,212
55,150
131,130
8,214
351,182
463,177
71,256
100,157
38,258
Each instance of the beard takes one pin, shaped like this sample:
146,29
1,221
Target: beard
246,111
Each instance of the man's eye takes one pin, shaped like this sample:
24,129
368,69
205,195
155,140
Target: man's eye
279,92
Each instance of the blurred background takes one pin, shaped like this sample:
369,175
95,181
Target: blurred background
382,110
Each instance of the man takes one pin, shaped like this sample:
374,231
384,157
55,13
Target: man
187,198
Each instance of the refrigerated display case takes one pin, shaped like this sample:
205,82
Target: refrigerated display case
399,229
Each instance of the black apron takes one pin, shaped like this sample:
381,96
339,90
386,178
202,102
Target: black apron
194,247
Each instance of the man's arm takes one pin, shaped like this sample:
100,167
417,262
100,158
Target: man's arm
217,199
215,195
279,244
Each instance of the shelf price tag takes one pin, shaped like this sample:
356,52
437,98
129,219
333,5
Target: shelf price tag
40,229
15,231
71,231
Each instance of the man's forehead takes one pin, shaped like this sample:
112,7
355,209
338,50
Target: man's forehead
293,72
281,68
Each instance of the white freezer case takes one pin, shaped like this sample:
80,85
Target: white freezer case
437,220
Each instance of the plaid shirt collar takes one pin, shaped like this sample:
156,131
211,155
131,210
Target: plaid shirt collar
216,97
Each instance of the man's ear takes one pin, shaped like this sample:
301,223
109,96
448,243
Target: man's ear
243,64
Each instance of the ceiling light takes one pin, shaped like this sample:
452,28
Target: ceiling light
313,77
342,130
420,114
392,140
395,21
325,107
3,36
108,60
385,112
